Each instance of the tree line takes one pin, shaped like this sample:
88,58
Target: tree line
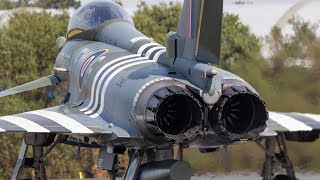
52,4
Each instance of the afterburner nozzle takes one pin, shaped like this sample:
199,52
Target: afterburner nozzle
240,114
177,113
169,111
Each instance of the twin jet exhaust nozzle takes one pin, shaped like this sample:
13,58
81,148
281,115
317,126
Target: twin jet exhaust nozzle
174,113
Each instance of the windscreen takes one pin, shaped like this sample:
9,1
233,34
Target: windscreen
95,13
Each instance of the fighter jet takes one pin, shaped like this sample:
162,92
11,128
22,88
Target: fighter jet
127,93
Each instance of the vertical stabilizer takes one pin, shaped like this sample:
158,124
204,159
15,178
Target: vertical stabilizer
200,28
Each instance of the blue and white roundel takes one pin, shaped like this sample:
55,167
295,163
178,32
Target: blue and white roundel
88,62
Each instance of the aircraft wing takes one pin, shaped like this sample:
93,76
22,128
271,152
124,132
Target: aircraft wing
60,120
291,122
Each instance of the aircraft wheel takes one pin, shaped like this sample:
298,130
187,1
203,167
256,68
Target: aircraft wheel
281,177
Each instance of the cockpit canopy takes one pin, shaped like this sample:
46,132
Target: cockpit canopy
91,15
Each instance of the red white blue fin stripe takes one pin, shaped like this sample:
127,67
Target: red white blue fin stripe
190,22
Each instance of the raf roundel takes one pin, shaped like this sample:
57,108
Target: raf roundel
88,62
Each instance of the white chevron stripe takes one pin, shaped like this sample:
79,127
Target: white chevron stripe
312,116
156,56
145,46
26,124
133,40
150,51
95,92
101,81
2,130
65,121
234,78
288,122
98,75
109,80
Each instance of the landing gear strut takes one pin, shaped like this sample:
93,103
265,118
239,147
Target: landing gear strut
135,160
272,156
40,170
157,164
36,162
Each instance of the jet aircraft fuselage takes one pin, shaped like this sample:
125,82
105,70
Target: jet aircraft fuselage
126,79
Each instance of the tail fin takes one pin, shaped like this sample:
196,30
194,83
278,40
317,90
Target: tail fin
200,27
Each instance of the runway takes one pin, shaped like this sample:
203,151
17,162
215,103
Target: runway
243,176
251,176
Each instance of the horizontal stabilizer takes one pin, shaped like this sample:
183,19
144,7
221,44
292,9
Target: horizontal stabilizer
43,82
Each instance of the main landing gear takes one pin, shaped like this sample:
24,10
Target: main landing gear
38,142
276,152
150,163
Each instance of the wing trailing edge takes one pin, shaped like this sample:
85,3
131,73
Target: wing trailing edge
291,122
60,120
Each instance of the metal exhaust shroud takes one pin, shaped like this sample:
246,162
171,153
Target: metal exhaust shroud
240,114
167,111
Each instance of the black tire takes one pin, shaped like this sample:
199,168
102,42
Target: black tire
281,177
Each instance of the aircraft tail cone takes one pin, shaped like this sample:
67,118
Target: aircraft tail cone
239,114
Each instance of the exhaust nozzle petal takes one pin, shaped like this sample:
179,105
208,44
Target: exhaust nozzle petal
239,114
168,110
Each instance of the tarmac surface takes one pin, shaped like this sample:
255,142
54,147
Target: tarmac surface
251,176
245,176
